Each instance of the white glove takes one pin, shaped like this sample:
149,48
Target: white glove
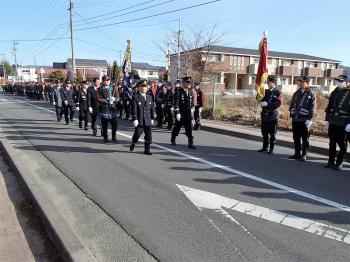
192,111
66,103
308,124
135,123
127,102
172,110
112,98
347,128
326,124
90,110
162,105
54,103
178,117
152,122
200,110
264,104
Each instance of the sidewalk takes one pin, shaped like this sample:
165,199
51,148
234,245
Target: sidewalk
317,144
22,237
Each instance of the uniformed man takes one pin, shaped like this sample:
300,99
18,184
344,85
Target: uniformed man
142,116
160,104
83,105
199,106
338,122
107,110
169,105
127,98
57,101
184,102
270,115
92,103
68,103
302,111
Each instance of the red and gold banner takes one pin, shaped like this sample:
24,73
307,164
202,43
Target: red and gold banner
262,74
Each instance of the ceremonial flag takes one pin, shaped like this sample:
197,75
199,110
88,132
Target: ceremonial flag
262,74
127,68
42,79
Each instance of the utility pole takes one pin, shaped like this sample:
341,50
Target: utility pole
14,53
178,50
71,37
120,58
3,67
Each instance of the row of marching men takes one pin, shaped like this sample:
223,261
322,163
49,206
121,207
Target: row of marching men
178,106
302,107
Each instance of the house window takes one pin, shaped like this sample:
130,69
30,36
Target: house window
329,82
331,66
238,62
300,64
150,73
214,58
286,62
285,81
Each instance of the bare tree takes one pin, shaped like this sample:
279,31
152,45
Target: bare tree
195,47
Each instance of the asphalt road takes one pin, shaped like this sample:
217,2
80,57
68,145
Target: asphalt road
156,198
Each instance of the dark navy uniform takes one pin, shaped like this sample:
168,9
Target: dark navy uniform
83,108
142,111
169,107
198,108
269,118
184,102
301,110
92,102
107,111
160,104
67,97
338,117
58,103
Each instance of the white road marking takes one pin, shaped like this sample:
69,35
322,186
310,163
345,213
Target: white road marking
232,171
206,200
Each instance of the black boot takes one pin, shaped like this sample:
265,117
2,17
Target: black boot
262,150
80,124
132,147
272,146
114,139
330,164
147,149
173,143
338,167
190,144
86,126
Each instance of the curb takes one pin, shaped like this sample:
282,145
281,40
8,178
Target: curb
313,149
59,232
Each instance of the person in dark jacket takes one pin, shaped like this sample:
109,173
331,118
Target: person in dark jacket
169,105
184,102
270,115
67,97
302,111
82,100
142,116
57,101
92,103
160,103
338,122
199,106
107,110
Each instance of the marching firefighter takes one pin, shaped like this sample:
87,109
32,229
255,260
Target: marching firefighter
107,110
270,115
67,98
199,106
338,122
57,101
169,105
184,102
92,103
142,116
82,95
160,104
302,111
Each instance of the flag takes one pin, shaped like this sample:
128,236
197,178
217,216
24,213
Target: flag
127,69
42,79
262,74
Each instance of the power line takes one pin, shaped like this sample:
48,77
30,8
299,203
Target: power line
149,16
127,13
33,40
117,11
94,3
